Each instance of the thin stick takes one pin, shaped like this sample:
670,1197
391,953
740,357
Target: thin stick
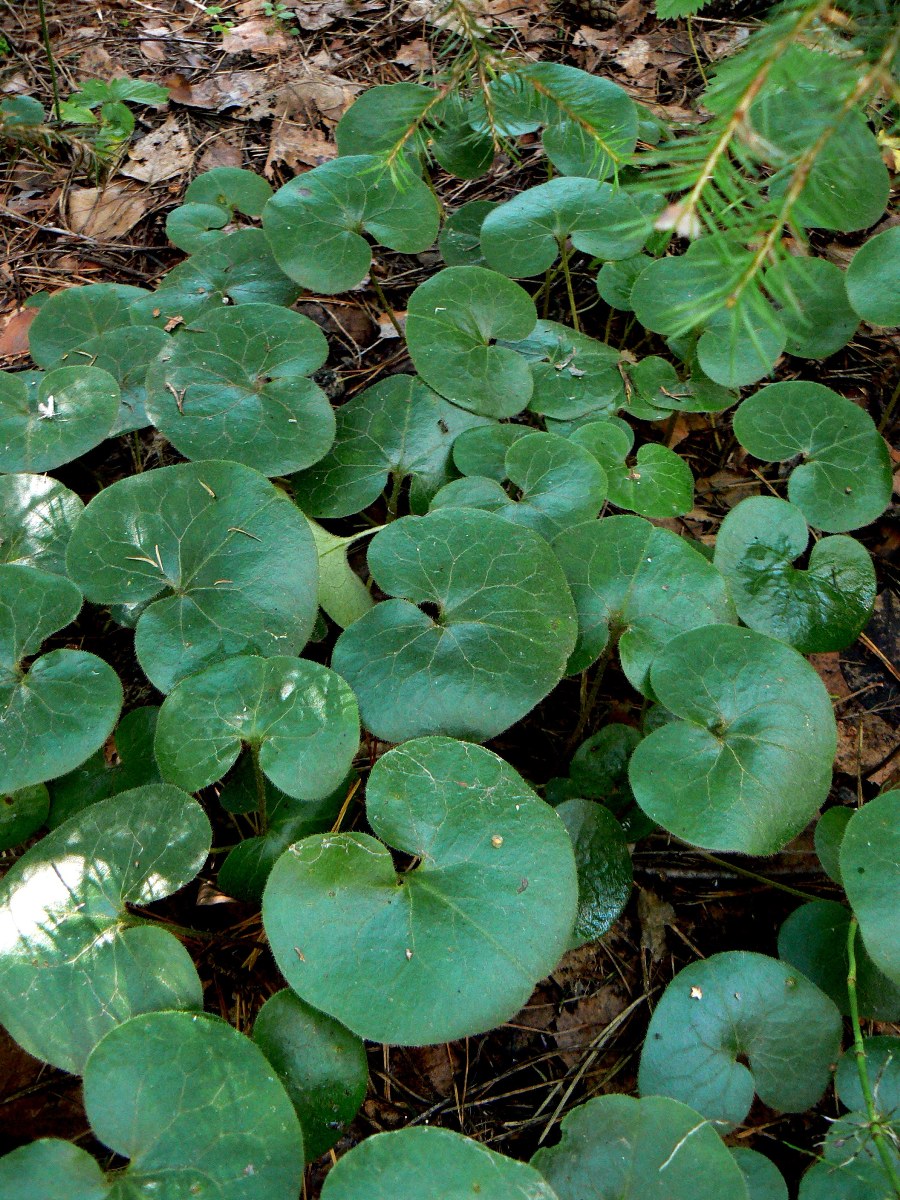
564,253
729,866
51,62
388,311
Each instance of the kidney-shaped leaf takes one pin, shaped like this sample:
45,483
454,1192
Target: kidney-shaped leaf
749,762
58,711
822,607
813,306
882,1055
315,223
234,385
50,1169
748,1006
76,315
639,584
621,1148
190,227
126,354
604,867
454,319
69,942
763,1179
844,480
231,188
573,374
451,947
223,559
498,642
297,716
37,515
658,483
873,278
870,869
67,413
850,1167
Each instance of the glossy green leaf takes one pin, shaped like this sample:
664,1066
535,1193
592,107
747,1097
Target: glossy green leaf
76,315
232,188
524,236
62,706
814,940
37,515
882,1054
234,385
873,278
70,411
456,145
342,594
622,1148
742,344
829,833
431,1164
820,608
483,450
813,306
573,374
69,941
556,484
676,294
599,771
844,479
604,867
50,1169
451,947
126,354
503,627
763,1179
399,429
193,226
321,1064
22,813
749,760
616,280
454,319
736,1008
299,717
315,223
460,238
870,869
657,484
639,586
223,560
381,117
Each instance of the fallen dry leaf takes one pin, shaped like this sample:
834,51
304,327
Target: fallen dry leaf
581,1023
634,57
152,44
161,154
106,213
220,153
294,89
319,14
14,334
296,146
415,54
655,916
260,36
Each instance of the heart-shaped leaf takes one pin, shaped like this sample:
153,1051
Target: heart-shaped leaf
381,118
621,1148
657,391
742,343
749,762
454,319
814,940
616,280
22,813
557,484
299,719
637,584
76,315
573,374
882,1055
676,294
70,942
498,642
657,484
604,867
235,269
222,559
315,223
740,1006
451,947
482,451
193,226
599,771
763,1179
873,278
460,238
813,306
71,410
342,594
844,480
37,515
234,385
231,188
823,607
65,704
126,354
870,869
398,428
524,236
321,1064
50,1169
432,1164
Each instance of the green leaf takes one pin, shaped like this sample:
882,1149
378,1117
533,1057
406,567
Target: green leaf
135,91
736,1008
65,704
456,145
616,280
70,942
667,10
50,1169
75,315
342,594
37,515
556,484
230,188
482,451
604,867
397,428
126,354
817,609
657,484
814,940
844,480
380,120
870,869
223,560
71,411
850,1167
599,771
573,374
234,385
640,586
455,945
829,833
193,226
315,223
503,629
22,813
742,344
21,111
621,1148
460,239
763,1179
677,294
454,319
299,717
873,278
813,306
524,236
882,1055
749,761
321,1064
237,268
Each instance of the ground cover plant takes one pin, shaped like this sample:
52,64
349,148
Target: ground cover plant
334,606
